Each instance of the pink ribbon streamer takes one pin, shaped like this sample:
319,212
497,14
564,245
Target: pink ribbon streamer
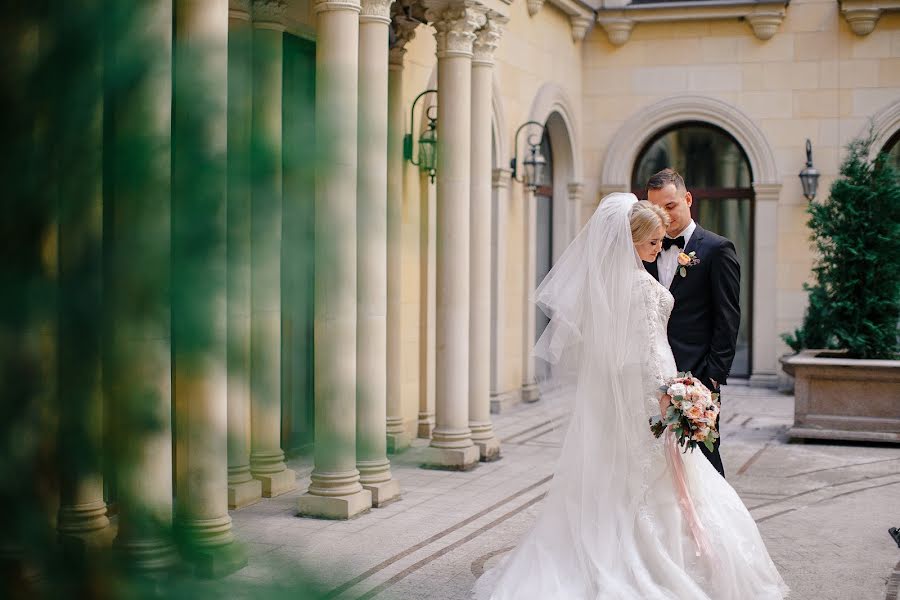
684,497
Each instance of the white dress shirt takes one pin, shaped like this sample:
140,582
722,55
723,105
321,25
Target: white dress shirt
667,263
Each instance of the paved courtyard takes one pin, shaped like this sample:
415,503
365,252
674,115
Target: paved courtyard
824,511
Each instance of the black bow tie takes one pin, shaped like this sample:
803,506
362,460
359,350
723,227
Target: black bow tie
669,242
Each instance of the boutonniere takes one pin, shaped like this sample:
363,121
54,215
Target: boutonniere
686,260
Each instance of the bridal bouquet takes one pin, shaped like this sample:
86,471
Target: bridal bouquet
691,415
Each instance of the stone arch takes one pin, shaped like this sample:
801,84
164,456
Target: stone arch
552,98
645,123
884,124
553,107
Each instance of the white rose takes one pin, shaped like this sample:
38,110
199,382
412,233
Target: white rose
677,389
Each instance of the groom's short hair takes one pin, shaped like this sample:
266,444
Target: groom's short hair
660,180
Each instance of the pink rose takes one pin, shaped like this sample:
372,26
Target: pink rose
683,259
694,413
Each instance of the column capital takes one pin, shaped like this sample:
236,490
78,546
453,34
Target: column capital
375,11
269,14
500,178
767,191
403,30
455,23
239,9
337,5
576,191
487,38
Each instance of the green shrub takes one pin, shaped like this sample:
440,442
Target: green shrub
854,302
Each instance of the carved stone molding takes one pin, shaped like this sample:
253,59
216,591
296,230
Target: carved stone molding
269,14
239,9
580,26
765,23
618,29
500,178
576,191
328,5
378,11
862,15
455,25
487,39
403,30
534,6
764,16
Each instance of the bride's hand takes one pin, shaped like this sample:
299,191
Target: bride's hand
664,401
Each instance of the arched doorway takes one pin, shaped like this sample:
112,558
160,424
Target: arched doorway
718,175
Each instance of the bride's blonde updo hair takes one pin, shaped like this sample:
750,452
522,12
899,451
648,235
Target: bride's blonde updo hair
645,220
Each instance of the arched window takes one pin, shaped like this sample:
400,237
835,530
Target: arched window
717,173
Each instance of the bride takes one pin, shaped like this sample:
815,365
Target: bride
628,516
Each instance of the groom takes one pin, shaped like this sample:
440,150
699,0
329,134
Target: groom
704,323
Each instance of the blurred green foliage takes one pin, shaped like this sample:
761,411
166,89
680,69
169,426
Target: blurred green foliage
105,236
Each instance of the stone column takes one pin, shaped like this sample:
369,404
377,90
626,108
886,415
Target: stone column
243,489
335,491
82,522
137,230
530,391
764,333
451,441
397,436
266,455
500,396
480,222
428,287
372,211
199,288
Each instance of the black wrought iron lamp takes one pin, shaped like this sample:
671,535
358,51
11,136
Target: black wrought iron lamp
535,165
809,176
427,160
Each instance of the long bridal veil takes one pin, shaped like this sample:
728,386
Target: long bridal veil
595,345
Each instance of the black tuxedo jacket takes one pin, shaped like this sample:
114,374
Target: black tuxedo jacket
703,327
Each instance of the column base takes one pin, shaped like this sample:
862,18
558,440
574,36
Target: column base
489,449
530,392
452,459
383,493
505,401
218,561
148,556
425,426
244,493
334,507
398,442
275,484
78,545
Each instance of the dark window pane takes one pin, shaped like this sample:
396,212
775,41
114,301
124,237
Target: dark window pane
706,156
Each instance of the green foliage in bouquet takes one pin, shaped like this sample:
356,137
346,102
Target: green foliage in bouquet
854,303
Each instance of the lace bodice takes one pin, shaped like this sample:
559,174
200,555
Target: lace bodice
659,364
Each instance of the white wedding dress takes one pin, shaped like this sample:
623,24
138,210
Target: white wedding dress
611,526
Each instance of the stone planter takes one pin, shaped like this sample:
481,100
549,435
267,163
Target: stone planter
840,398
